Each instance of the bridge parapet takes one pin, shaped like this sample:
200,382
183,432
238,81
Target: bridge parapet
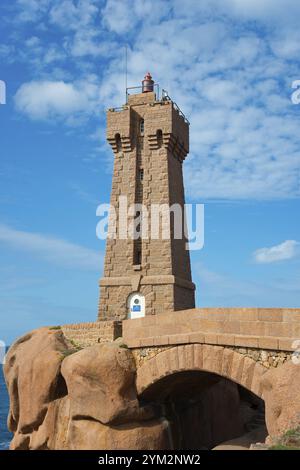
261,328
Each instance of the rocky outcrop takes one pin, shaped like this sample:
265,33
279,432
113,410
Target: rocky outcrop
281,395
62,399
101,385
84,434
32,373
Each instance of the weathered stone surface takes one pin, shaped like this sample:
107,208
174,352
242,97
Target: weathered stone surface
281,394
89,333
239,328
101,384
58,400
241,369
32,373
158,269
20,442
92,435
52,434
61,399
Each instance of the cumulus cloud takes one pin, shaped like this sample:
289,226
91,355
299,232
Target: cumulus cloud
70,15
47,99
286,250
123,16
222,61
32,10
6,51
53,250
267,11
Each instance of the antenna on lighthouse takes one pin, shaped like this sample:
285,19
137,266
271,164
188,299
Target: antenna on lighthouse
126,73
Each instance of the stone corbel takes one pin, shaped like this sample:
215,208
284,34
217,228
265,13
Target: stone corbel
170,142
125,144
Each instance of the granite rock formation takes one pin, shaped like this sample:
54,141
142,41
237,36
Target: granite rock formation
63,399
281,394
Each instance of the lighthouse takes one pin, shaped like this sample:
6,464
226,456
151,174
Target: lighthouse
149,138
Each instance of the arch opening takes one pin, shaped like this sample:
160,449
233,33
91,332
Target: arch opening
118,142
159,136
204,410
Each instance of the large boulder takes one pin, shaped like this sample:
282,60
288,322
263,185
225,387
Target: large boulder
51,434
32,373
281,394
101,384
92,435
62,399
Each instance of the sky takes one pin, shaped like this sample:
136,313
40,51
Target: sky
229,64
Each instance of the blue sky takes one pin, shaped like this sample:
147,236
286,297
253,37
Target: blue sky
229,64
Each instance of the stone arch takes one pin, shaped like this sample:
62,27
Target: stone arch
202,357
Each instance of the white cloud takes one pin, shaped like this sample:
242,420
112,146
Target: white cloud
81,20
86,43
32,10
231,77
267,11
286,44
116,16
123,16
47,99
53,54
70,15
286,250
6,50
54,250
33,42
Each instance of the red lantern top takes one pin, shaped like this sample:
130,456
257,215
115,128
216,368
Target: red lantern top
147,83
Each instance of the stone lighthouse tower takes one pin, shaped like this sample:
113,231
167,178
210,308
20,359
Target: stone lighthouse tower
150,275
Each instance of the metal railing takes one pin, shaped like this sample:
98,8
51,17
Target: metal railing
164,97
139,89
120,108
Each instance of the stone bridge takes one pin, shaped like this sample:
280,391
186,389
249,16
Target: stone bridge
240,344
236,343
194,379
218,360
208,366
